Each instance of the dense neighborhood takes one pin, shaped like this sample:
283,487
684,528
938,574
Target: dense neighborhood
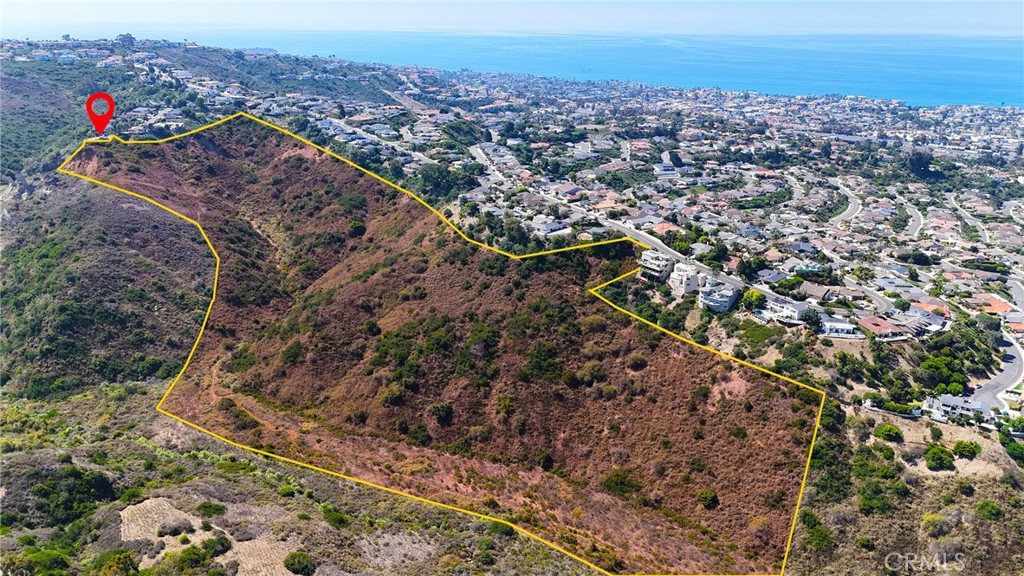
857,220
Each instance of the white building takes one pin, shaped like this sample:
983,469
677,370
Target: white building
654,265
684,279
719,298
834,327
785,311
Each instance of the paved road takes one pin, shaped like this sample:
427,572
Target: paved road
951,200
493,175
852,210
916,219
1018,292
882,303
987,395
1011,207
798,188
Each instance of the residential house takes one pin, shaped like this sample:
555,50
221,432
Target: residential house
784,310
684,279
654,265
835,327
718,298
769,276
882,329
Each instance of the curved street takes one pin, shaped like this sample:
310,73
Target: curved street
1012,368
852,210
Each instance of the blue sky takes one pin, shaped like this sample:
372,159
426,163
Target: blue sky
174,20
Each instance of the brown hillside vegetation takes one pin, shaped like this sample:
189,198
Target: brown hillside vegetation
356,331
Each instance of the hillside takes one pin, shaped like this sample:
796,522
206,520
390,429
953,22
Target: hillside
95,485
91,293
354,330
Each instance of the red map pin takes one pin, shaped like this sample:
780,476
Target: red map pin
100,121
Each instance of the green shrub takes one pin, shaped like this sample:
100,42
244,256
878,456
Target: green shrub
300,563
242,359
935,525
191,557
636,361
989,510
938,457
776,500
131,495
48,562
442,413
873,499
708,498
966,449
392,396
889,432
216,546
115,562
293,353
738,432
819,538
501,529
209,509
71,493
419,435
621,483
334,517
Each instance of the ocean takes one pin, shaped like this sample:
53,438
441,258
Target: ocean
919,70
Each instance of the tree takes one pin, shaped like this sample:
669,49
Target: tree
966,449
394,171
938,457
919,162
119,563
708,498
753,299
913,274
811,318
863,273
126,40
901,304
988,322
300,563
443,413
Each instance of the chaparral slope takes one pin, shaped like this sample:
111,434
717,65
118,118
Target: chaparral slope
355,330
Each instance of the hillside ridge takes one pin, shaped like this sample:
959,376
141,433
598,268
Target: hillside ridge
294,292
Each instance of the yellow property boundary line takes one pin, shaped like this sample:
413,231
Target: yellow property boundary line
594,291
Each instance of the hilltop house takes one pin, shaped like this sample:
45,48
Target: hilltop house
881,328
684,279
717,297
835,327
784,311
654,265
